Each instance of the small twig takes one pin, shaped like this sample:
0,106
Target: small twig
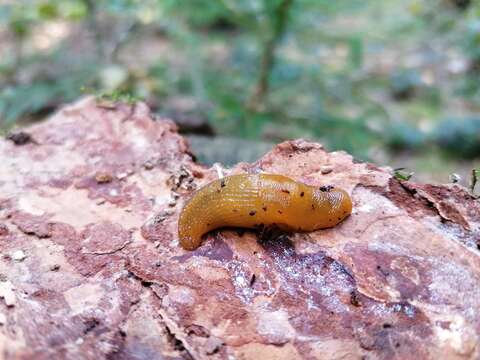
268,56
93,25
474,179
219,170
121,39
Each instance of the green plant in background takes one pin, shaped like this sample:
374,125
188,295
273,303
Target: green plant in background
402,175
112,97
16,101
55,75
402,136
355,75
474,179
460,137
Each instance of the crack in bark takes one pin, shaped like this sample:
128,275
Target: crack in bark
109,252
178,344
435,205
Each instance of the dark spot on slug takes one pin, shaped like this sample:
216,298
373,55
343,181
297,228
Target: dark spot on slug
326,188
313,206
234,210
222,183
285,191
264,208
339,218
251,213
280,212
302,193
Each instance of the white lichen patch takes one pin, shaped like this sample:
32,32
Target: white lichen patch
18,255
453,232
458,335
450,278
57,273
84,297
371,202
180,295
28,205
210,273
7,293
17,170
153,186
72,206
275,326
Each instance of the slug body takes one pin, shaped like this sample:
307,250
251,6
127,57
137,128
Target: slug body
258,200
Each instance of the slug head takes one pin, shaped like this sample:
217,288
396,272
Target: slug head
332,204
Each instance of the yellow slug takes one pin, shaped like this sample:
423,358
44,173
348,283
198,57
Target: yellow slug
260,200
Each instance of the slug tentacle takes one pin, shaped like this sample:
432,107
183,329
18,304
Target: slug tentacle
260,200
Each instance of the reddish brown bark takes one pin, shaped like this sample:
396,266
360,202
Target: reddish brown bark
91,266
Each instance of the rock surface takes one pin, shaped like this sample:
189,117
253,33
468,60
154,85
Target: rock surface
91,267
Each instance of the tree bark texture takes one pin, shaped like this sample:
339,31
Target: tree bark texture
91,267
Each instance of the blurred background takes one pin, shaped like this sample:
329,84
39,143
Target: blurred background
393,81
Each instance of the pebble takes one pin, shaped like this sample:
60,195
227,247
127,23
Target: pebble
55,267
122,176
326,169
103,177
18,255
213,345
148,165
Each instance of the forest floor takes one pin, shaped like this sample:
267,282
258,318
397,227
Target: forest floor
147,48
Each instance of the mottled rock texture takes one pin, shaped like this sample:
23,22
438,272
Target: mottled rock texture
91,268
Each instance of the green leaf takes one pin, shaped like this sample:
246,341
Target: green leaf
399,174
474,179
48,10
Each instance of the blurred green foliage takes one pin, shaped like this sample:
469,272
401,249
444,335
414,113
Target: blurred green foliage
402,175
357,75
460,136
